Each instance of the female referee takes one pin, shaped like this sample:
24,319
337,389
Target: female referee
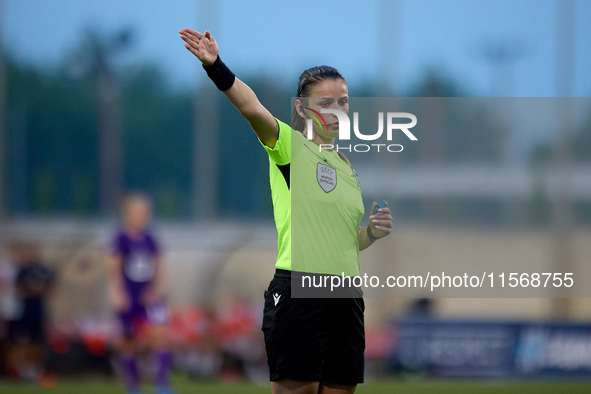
314,345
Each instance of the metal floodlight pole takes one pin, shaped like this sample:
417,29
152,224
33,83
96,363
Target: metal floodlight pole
501,57
3,112
562,220
206,124
109,141
389,45
109,119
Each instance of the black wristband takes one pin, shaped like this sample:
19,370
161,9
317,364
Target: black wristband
220,74
370,235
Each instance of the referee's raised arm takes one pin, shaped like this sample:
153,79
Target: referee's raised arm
206,49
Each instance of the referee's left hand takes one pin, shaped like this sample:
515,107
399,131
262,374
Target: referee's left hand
204,46
380,222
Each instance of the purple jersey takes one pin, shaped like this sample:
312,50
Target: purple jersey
138,262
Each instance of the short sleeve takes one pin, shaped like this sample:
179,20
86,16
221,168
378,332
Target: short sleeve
281,153
154,247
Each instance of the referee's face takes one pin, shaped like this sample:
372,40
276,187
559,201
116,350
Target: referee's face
329,94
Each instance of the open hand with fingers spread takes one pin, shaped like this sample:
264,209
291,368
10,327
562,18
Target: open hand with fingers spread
204,46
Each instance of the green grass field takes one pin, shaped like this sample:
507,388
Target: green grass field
415,387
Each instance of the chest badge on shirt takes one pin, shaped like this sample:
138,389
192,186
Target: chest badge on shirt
327,177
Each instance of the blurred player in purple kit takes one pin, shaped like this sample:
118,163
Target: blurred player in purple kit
135,286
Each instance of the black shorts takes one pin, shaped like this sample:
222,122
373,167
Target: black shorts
313,339
30,326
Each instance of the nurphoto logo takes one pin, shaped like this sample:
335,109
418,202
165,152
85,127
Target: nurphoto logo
345,129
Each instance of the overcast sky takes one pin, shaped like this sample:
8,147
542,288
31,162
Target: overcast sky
281,38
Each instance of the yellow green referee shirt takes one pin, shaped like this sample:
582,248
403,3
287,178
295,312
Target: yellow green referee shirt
317,206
